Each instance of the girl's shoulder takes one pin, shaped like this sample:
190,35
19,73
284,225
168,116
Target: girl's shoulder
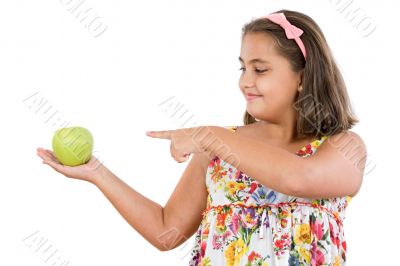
345,139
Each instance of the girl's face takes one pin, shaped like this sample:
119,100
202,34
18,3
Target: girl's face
269,75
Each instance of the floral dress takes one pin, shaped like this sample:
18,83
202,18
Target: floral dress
246,223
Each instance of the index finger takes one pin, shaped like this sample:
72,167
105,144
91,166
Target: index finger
163,134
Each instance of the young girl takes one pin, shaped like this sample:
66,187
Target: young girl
258,194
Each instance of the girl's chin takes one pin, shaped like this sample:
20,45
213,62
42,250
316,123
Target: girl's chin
256,110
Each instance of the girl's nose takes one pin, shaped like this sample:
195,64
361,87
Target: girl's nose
246,81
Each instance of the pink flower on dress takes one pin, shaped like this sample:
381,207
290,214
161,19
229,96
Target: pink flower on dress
253,187
344,246
226,234
216,241
203,248
317,229
235,224
319,258
334,237
253,255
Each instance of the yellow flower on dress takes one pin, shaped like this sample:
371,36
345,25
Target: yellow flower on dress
348,199
303,234
231,185
220,185
305,254
234,252
248,218
337,261
205,262
234,186
240,186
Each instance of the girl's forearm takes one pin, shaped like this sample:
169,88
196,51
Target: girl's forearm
143,214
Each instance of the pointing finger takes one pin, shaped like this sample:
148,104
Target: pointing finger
164,134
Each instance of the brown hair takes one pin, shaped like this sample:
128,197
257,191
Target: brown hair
323,106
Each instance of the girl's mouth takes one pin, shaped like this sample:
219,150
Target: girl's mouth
250,97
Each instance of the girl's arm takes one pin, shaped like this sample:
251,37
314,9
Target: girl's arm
164,227
335,170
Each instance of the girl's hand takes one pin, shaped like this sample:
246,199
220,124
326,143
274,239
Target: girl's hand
183,141
86,172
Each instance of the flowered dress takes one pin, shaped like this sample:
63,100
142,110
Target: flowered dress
246,223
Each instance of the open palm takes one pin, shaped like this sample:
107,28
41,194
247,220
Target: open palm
86,172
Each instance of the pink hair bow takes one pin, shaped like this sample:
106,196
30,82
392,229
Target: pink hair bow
291,31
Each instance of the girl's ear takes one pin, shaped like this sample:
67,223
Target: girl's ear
301,78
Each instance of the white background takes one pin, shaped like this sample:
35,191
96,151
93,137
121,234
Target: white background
113,85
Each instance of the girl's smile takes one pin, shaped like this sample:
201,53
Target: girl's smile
250,97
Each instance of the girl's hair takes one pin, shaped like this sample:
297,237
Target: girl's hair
323,106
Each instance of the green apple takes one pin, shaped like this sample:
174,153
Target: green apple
73,145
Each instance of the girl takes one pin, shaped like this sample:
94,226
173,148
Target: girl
258,194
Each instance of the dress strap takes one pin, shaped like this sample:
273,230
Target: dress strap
232,128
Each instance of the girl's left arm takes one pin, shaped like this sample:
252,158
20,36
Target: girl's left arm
337,168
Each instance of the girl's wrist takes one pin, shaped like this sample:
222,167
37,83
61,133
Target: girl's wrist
99,173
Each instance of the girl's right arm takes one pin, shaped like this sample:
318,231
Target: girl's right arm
164,227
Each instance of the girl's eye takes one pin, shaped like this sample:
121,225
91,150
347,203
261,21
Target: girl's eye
260,70
257,70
